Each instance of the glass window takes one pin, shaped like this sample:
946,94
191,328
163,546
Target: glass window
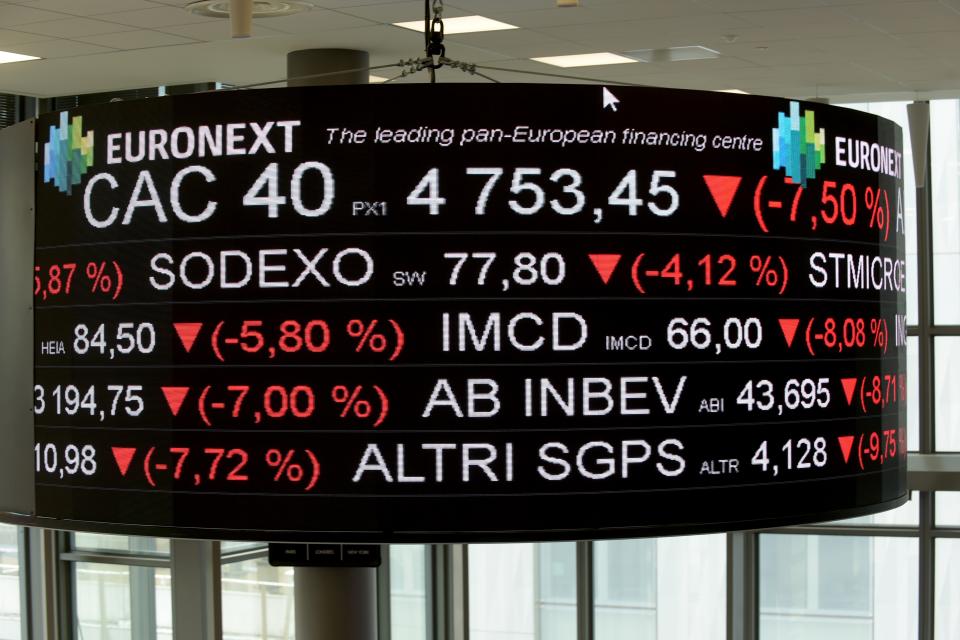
257,601
501,591
648,588
625,589
691,576
522,591
557,591
844,574
948,508
9,583
115,602
913,393
233,546
945,184
897,111
838,587
408,592
132,544
906,515
164,602
946,360
783,574
947,592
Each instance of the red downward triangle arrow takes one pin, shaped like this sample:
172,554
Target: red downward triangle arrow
723,188
175,396
789,328
605,263
123,456
188,333
849,386
846,442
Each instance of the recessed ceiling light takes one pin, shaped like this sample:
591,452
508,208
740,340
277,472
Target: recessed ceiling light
673,54
585,59
376,79
464,24
732,91
7,56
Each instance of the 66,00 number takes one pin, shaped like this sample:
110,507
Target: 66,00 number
73,459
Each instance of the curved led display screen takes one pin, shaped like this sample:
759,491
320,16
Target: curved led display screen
462,312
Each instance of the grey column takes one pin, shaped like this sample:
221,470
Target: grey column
333,603
345,66
195,576
743,600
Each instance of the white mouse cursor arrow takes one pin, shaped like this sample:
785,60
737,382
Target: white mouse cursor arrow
609,100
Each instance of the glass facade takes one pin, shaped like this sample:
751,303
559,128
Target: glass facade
947,591
408,592
115,602
945,181
838,587
9,583
257,601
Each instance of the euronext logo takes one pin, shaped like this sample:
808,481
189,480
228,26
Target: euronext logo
798,148
67,154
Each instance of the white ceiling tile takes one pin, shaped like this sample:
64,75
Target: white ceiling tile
158,17
512,43
730,6
312,22
906,17
400,11
216,30
72,27
800,20
140,39
596,15
646,34
9,38
12,15
60,49
90,7
347,4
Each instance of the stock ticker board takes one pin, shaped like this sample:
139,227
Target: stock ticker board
463,312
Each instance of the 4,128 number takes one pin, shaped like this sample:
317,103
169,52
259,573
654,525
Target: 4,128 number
802,453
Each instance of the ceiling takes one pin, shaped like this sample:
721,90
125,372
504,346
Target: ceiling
801,48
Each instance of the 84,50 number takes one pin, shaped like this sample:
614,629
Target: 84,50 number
130,338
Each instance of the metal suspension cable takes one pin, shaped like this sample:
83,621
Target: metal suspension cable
313,75
547,74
